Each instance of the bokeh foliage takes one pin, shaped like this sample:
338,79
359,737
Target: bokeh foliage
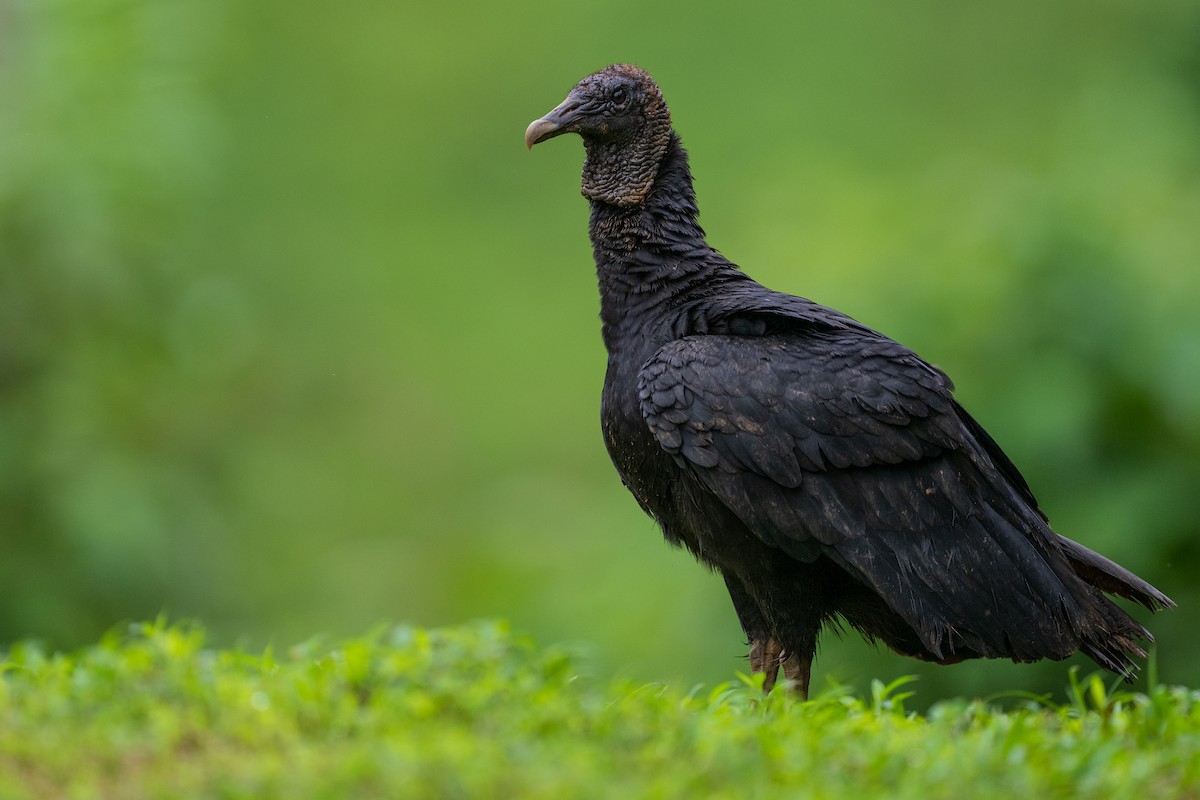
295,336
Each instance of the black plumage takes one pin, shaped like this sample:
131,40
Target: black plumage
823,469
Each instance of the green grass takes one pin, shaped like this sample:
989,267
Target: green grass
476,711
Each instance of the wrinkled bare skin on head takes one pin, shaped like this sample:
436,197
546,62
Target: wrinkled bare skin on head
625,141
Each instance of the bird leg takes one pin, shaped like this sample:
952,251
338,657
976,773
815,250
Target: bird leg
768,656
798,670
762,651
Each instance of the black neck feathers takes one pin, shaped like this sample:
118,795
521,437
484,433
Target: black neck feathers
653,255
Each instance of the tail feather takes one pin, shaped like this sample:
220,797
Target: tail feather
1112,577
1119,635
1113,638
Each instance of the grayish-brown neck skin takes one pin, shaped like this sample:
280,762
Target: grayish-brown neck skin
622,173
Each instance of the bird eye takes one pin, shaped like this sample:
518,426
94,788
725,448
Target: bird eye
618,96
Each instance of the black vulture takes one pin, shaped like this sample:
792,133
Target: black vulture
824,470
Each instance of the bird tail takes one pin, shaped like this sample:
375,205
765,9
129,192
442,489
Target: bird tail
1111,577
1114,649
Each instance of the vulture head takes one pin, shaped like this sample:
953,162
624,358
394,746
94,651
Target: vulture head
626,128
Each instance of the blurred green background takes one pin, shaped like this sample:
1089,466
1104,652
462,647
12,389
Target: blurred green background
296,337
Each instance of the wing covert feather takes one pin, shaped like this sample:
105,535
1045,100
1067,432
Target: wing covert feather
783,406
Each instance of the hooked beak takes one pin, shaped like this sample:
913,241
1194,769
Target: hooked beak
554,123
